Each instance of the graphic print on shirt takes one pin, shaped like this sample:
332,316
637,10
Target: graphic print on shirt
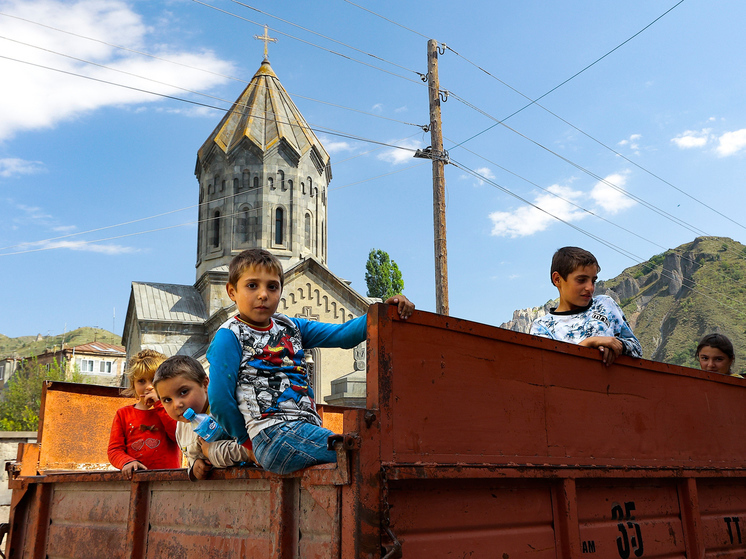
272,377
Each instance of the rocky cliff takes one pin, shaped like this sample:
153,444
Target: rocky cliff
675,298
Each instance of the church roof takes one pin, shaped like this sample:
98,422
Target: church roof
166,302
265,115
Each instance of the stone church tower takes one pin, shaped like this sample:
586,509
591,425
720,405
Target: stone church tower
262,176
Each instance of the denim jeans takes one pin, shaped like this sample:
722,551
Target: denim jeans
288,447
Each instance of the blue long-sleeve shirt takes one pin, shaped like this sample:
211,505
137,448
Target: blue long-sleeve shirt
258,378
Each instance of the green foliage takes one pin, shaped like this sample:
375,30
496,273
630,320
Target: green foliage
685,355
382,275
19,408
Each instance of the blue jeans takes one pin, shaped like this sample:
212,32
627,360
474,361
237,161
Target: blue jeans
288,447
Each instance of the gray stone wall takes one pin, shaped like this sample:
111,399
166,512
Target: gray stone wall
8,452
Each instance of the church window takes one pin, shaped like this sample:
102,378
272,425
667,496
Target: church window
310,186
302,187
271,183
209,188
216,182
282,179
216,229
290,184
323,238
279,225
308,230
323,197
222,186
245,179
256,181
235,185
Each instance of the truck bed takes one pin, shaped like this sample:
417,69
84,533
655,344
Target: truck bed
475,442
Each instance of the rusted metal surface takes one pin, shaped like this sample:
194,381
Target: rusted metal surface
75,424
477,442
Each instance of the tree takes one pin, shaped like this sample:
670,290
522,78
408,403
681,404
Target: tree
382,275
19,408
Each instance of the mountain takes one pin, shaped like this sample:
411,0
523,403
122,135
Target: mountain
25,346
675,298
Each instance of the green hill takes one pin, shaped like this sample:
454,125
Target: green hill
25,346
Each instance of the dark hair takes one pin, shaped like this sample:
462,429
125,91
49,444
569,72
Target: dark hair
718,341
568,259
254,257
144,364
180,366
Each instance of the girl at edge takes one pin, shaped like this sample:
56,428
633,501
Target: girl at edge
142,434
715,354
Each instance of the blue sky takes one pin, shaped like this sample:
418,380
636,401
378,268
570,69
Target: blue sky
97,185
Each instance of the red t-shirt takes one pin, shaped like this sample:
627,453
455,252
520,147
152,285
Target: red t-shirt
148,436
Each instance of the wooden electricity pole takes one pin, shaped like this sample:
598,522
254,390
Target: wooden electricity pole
439,181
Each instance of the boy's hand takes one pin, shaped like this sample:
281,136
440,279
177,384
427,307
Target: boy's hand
130,467
204,446
609,346
201,468
405,306
149,398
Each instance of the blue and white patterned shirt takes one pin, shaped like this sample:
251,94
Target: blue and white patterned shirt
602,317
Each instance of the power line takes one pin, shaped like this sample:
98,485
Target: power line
575,75
641,201
325,37
387,19
418,82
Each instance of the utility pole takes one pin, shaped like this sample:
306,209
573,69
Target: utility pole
440,158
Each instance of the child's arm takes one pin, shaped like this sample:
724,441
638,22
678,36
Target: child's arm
609,346
225,453
224,355
621,329
405,306
117,450
169,425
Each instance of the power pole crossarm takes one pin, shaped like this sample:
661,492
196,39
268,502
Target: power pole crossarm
439,158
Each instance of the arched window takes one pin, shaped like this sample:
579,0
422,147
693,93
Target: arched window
216,229
222,186
279,224
323,238
307,236
256,181
290,184
282,179
235,185
216,183
271,183
302,187
209,189
244,224
323,197
245,179
310,186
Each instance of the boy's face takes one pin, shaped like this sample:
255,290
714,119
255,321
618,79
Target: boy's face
256,294
179,393
577,290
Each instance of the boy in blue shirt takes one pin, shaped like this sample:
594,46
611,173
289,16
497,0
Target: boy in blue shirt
581,318
258,387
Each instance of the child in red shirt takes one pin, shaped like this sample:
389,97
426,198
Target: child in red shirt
143,435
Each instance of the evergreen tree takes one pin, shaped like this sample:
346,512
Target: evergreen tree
382,275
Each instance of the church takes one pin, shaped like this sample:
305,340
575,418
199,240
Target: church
263,177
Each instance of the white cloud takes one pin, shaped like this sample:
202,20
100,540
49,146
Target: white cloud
378,107
692,138
403,109
632,142
41,98
77,246
528,220
486,172
12,166
609,198
398,156
731,142
333,147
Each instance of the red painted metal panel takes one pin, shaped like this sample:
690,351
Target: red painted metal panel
486,518
723,509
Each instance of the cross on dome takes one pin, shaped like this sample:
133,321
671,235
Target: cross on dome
267,39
